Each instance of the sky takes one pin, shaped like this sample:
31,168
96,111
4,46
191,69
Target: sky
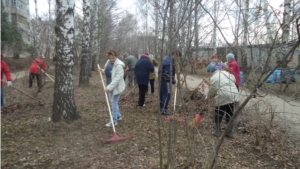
43,6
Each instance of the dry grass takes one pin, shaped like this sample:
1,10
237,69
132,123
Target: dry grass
29,140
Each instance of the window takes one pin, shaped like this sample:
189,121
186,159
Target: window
7,2
14,2
28,25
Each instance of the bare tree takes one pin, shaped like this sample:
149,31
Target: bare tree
85,66
64,106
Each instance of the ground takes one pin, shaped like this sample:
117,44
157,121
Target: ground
30,140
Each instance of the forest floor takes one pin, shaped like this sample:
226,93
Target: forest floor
30,140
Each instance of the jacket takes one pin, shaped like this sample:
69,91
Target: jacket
117,84
142,70
166,69
130,61
222,88
5,70
34,65
235,70
153,74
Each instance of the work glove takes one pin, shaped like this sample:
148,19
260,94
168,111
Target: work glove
173,81
9,83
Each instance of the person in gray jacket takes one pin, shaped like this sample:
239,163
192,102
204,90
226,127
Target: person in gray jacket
130,61
116,86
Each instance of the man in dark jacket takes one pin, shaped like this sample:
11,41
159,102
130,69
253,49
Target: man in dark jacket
142,72
130,62
167,76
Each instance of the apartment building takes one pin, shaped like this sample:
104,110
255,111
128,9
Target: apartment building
18,10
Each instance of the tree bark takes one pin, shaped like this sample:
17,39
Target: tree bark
85,68
63,103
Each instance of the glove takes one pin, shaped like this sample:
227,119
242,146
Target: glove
9,83
205,98
173,81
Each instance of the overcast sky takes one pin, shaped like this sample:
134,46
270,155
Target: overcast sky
43,6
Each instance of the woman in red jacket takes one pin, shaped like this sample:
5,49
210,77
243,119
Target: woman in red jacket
234,68
4,70
34,70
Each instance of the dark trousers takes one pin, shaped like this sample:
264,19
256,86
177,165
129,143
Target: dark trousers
152,85
142,93
227,109
164,95
2,102
31,77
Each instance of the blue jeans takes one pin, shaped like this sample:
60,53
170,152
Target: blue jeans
2,102
114,100
164,95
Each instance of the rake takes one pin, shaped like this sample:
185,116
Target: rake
46,74
124,98
115,137
169,118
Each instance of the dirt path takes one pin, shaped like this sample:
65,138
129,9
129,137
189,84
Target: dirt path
287,114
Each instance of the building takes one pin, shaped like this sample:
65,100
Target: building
18,10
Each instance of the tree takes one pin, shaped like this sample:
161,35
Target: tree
85,66
64,104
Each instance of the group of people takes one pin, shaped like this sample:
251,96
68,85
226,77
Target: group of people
34,72
224,82
224,88
141,72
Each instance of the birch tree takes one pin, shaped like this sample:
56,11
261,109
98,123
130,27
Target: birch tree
64,106
286,21
85,68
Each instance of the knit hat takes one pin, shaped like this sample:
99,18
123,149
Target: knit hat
211,68
213,56
230,56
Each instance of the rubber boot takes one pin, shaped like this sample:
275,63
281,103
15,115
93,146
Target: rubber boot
217,131
229,131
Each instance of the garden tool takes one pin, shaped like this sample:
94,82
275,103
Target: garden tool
123,98
46,74
197,119
28,95
115,137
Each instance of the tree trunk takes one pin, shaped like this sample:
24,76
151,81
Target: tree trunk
268,26
63,102
215,27
286,21
85,68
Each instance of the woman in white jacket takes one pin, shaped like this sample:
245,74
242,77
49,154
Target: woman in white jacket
116,86
223,89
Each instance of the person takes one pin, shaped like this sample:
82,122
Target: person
166,77
153,75
4,71
234,68
34,70
130,61
222,88
216,62
142,70
116,85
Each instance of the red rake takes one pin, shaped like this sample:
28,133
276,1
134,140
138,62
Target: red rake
172,117
115,137
124,98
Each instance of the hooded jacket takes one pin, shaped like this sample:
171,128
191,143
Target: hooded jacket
222,88
34,65
117,84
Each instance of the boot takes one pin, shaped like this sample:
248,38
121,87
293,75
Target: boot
217,131
229,131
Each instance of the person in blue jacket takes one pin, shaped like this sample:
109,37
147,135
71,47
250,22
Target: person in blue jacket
167,76
142,70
